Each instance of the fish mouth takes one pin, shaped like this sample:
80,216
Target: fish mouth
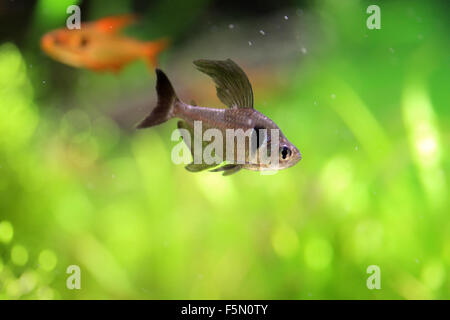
292,163
46,41
294,160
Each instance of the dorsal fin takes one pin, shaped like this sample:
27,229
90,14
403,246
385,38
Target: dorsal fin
115,23
233,87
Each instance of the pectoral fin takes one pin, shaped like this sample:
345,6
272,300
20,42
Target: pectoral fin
193,167
233,87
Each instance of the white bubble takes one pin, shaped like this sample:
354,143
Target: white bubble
303,50
286,17
262,32
250,43
231,26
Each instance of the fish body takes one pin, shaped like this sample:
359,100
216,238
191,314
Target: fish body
98,45
234,89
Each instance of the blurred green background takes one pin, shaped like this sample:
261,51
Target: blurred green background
368,109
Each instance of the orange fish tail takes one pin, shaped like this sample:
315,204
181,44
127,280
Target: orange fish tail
152,51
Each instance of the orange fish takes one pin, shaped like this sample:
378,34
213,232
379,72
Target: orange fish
98,46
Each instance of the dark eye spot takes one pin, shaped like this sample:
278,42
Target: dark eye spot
84,42
285,152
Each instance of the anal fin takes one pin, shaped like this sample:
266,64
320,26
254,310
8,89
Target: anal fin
228,169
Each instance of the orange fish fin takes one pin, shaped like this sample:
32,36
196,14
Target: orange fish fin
115,68
115,24
153,49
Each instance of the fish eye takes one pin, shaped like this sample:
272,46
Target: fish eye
285,152
56,41
84,42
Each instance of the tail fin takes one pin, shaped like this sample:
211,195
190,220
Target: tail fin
166,102
153,49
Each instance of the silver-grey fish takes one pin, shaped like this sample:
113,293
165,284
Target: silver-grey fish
235,91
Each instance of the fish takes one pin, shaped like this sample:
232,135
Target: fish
98,45
233,89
